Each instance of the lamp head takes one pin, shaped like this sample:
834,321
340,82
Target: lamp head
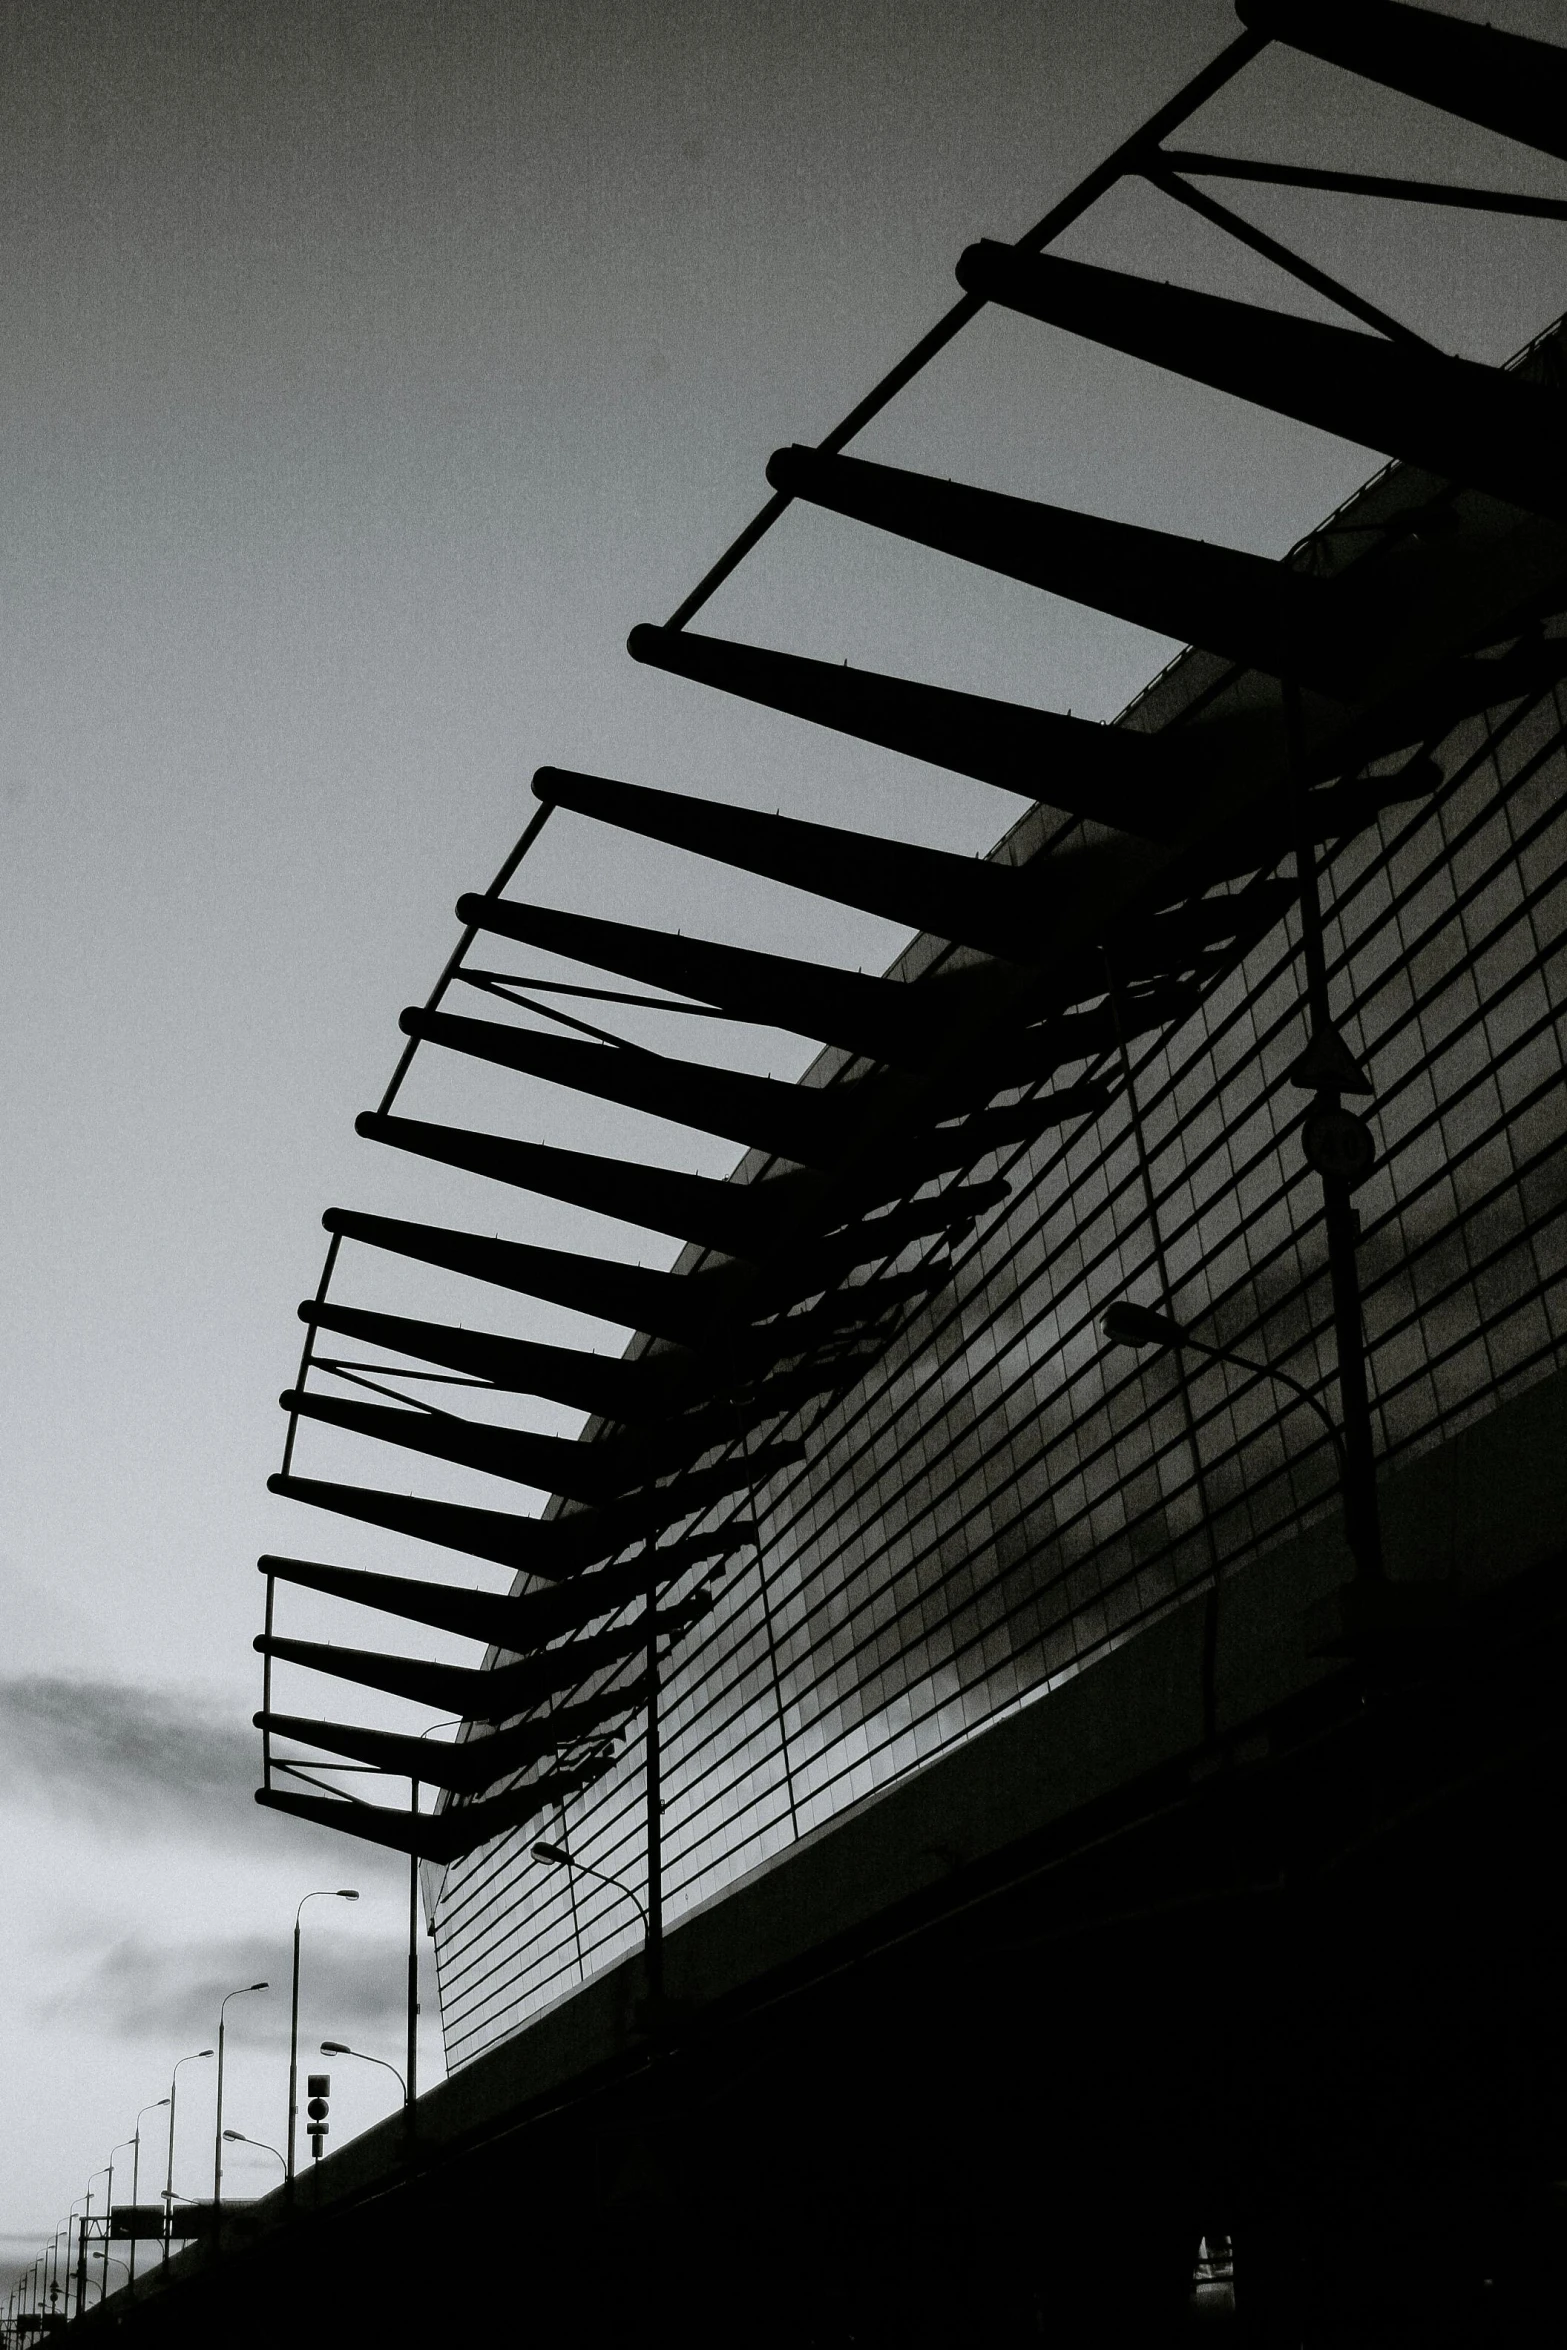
236,2137
336,2048
346,1893
544,1850
1124,1324
258,1986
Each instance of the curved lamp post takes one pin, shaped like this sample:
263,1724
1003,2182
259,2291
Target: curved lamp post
558,1857
168,2185
325,1893
238,2138
156,2106
84,2234
217,2136
341,2048
1383,1624
108,2216
1124,1324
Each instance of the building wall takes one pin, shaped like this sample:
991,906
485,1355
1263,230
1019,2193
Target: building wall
1005,1500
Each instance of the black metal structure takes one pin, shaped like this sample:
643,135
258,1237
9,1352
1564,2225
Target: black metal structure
1336,671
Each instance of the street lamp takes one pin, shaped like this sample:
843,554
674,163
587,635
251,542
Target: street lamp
341,2048
156,2107
327,1893
71,2219
168,2185
108,2215
238,2138
559,1858
84,2232
1378,1621
1124,1324
217,2135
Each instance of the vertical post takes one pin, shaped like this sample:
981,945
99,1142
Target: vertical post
743,1435
135,2193
1210,1634
571,1882
168,2184
217,2135
293,2053
266,1678
655,1807
81,2256
413,1965
1362,1528
108,2222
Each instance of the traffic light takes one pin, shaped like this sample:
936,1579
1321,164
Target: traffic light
318,2088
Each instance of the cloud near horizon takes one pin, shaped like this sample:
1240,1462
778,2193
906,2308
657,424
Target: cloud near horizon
149,1762
104,1748
139,1989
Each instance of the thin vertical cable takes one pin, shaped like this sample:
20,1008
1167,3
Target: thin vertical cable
1210,1631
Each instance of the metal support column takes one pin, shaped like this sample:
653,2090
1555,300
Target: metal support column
412,2075
1327,1065
655,1805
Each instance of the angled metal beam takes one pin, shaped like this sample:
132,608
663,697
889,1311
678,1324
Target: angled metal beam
514,1621
1261,614
1360,183
1458,689
467,1767
594,1474
872,1240
741,1219
656,1387
590,1473
651,1387
678,1306
883,1019
588,1721
999,909
1107,772
813,1127
796,1122
1332,813
1169,945
692,1309
1503,81
942,1150
1452,417
1245,232
553,1548
450,1689
1081,1036
439,1836
530,1546
477,1694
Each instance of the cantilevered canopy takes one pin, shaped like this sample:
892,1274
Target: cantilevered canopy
1329,672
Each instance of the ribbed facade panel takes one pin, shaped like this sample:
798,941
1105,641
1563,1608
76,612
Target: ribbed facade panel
1004,1498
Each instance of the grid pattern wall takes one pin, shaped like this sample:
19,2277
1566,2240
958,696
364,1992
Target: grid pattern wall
1004,1499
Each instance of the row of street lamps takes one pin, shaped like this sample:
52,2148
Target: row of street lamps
40,2292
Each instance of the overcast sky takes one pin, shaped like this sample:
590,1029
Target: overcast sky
367,372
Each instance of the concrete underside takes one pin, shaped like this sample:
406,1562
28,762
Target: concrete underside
982,2062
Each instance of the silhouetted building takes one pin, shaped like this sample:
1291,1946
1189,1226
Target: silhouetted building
1034,1806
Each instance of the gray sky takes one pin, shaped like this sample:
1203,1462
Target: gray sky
367,372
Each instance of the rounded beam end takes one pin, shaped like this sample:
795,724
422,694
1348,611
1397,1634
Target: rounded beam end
785,467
